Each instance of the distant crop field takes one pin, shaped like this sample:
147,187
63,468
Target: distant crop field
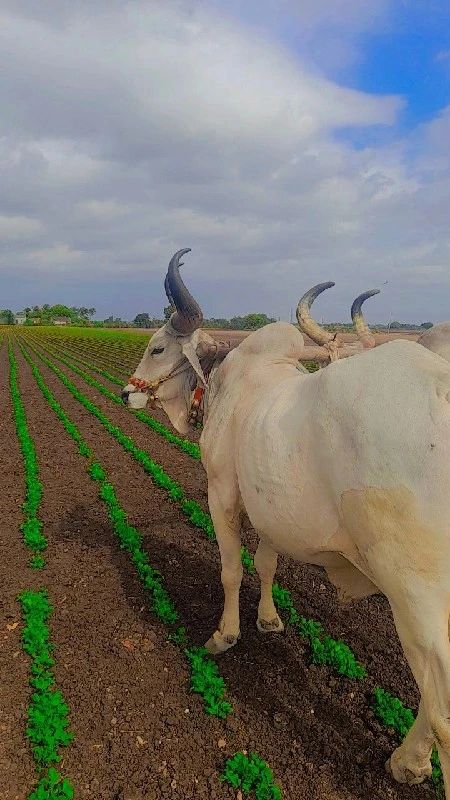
110,577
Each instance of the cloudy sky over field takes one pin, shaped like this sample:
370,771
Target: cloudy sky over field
287,143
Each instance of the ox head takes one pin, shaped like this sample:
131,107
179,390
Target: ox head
176,357
330,347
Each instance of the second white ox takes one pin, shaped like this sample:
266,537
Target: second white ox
348,468
437,339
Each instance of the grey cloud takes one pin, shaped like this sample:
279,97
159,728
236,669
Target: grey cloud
172,126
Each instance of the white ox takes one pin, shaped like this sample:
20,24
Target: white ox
437,339
347,468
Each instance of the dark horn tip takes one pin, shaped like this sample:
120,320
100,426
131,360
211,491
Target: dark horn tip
357,303
311,294
180,253
323,286
175,260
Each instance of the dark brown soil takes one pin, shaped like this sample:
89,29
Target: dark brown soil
314,729
16,763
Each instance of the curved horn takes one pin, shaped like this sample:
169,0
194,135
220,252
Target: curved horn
188,315
360,325
168,294
305,321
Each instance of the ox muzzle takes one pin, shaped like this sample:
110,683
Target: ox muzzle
134,398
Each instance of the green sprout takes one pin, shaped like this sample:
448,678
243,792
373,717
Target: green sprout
251,774
393,714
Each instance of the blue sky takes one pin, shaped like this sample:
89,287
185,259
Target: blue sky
293,141
411,58
404,49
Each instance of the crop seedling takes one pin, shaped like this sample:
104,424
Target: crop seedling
31,527
251,774
205,680
47,712
393,714
53,787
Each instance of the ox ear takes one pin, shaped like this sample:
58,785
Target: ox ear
190,353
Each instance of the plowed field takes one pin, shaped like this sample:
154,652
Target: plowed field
139,731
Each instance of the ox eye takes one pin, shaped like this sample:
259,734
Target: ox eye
157,351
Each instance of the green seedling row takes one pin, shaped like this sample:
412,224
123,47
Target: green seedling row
119,381
31,527
325,650
47,712
205,678
186,446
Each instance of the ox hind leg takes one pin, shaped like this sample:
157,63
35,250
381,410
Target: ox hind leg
423,627
225,513
266,564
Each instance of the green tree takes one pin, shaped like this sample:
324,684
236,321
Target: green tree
251,322
59,310
426,325
237,323
168,311
220,323
255,321
6,317
142,321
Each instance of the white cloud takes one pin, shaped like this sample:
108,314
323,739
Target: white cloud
18,228
58,257
103,210
326,32
129,130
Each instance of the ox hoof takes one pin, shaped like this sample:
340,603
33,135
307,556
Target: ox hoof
407,772
274,625
219,643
